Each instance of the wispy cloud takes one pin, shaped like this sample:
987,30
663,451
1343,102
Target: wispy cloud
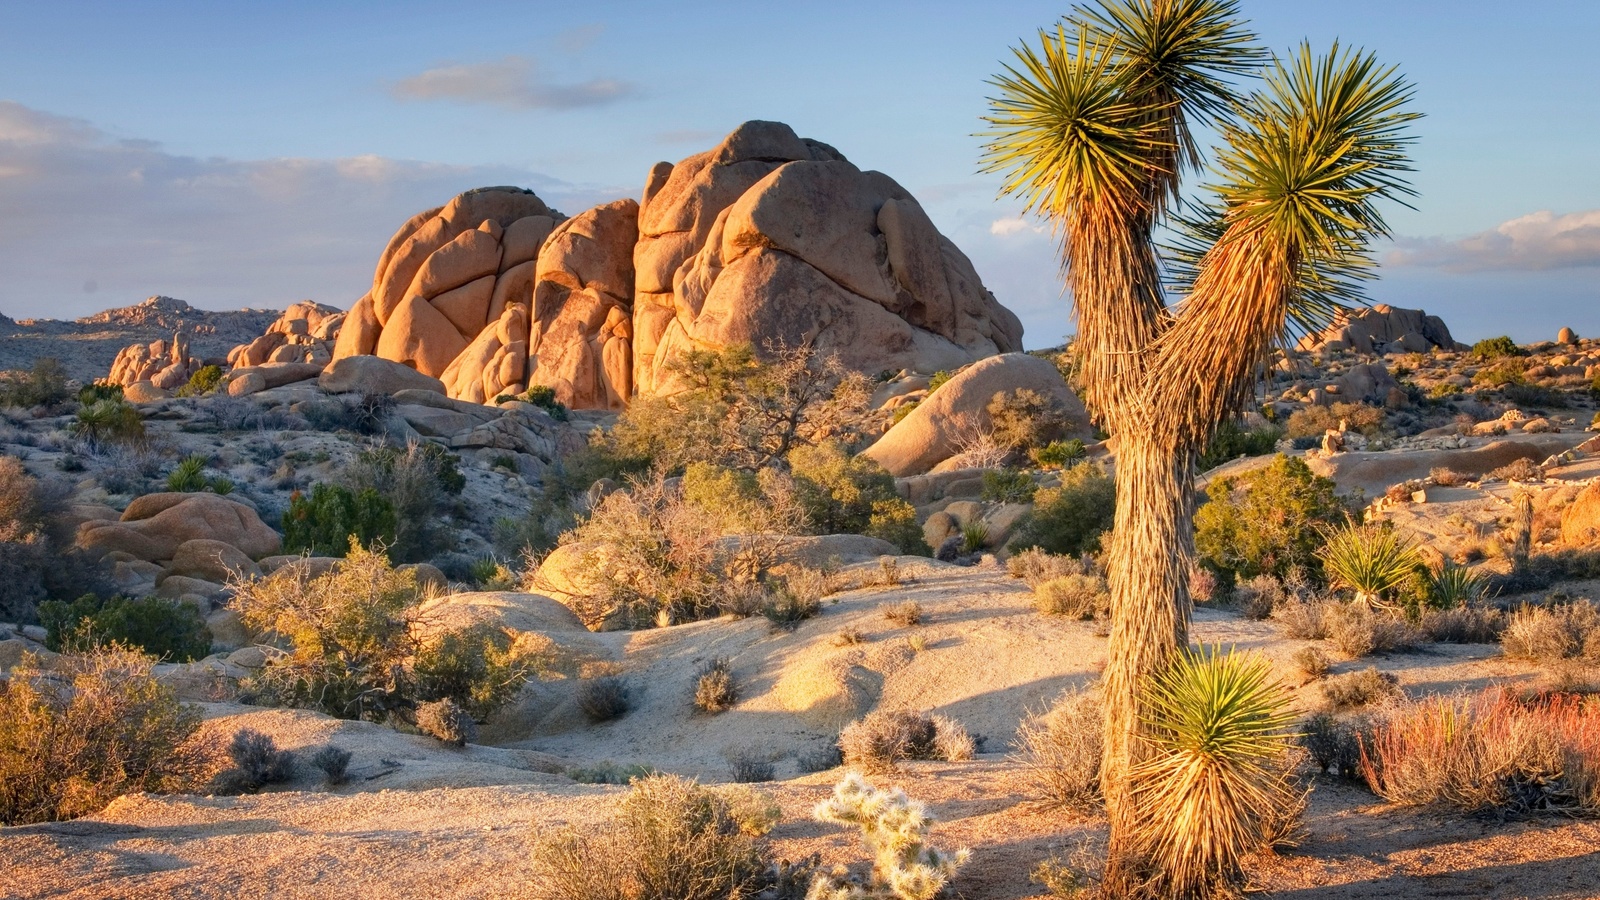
510,83
1014,225
217,232
1542,240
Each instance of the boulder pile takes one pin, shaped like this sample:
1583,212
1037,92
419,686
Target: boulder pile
165,364
1381,329
305,333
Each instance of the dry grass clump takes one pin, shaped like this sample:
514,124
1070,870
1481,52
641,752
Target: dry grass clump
1357,630
848,637
1062,747
1312,662
97,727
445,720
906,613
889,574
1554,635
1446,477
1467,624
1036,566
1354,689
1490,752
750,766
604,698
714,690
671,838
1518,470
1305,620
1258,597
883,738
1073,596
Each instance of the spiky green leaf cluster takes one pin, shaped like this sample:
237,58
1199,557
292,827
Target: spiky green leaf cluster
1375,561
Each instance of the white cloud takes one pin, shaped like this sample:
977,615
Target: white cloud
510,83
133,219
1542,240
1013,225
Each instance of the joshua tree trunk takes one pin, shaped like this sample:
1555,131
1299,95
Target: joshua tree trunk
1149,617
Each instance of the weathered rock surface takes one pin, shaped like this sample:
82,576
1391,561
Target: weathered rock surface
374,375
154,526
957,412
1580,524
1381,328
305,333
167,365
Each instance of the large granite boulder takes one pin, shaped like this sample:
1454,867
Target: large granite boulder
446,275
771,238
372,375
154,526
1381,329
1580,524
957,412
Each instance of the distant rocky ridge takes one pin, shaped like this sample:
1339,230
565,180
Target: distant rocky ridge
89,346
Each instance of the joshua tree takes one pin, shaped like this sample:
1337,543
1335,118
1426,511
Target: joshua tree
1093,130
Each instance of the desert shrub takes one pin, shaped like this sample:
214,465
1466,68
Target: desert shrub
1495,348
1334,743
1232,442
1025,418
785,608
492,574
326,522
1311,662
750,767
97,391
535,534
1304,620
1465,624
845,494
608,772
1357,630
418,482
1073,596
165,629
1453,586
1058,454
739,411
1062,748
671,838
1007,486
203,381
906,613
889,574
1375,561
974,535
1313,421
108,422
353,646
45,385
1035,566
714,690
1523,470
1533,396
334,764
1554,634
188,475
446,721
1507,373
543,397
479,668
895,521
1266,521
96,727
895,829
1221,735
882,738
604,699
1069,520
820,759
952,741
1258,597
257,762
1488,753
1353,689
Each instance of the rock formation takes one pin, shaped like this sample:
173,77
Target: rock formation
305,333
1381,329
165,364
766,239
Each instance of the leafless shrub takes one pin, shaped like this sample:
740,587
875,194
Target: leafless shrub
447,721
1334,744
334,763
714,690
881,739
951,741
1258,597
257,762
888,574
1553,635
603,699
1446,477
1353,689
1357,630
906,613
750,766
1062,747
848,637
1523,470
1313,663
1470,623
1304,620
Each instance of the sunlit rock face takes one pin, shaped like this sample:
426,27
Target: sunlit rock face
768,239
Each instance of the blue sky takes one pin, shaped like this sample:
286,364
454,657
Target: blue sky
256,155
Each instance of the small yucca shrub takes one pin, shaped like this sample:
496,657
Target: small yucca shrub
1452,586
1372,560
895,829
188,475
1220,726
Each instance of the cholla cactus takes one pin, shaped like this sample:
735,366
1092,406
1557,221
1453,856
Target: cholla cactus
895,829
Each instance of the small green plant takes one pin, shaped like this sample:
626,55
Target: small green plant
108,422
974,536
1452,586
1058,454
545,398
97,391
189,475
1069,520
1232,442
608,772
325,523
937,380
1495,348
714,690
1374,561
166,629
1221,731
895,829
1007,486
205,380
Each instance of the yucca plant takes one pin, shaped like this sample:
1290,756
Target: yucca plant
1454,586
1220,727
189,475
1375,561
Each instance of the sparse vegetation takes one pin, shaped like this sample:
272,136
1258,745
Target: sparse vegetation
1025,419
895,829
1007,486
883,738
107,423
1554,635
1357,630
905,613
169,630
257,762
1232,441
1058,454
1354,689
1062,747
1069,520
1311,662
42,387
714,689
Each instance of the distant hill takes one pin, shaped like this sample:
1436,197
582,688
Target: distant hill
88,345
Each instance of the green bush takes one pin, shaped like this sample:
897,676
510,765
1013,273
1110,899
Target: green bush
1058,454
479,667
836,489
165,629
99,390
1025,418
895,521
45,385
204,381
1495,348
419,482
1266,521
937,380
1069,520
325,523
545,398
105,422
1231,442
95,727
1006,486
189,475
